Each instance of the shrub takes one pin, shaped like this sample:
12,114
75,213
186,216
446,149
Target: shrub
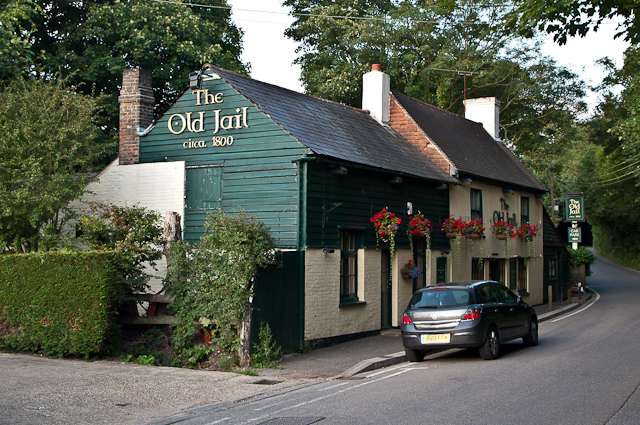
59,303
582,256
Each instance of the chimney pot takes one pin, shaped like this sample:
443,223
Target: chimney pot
376,67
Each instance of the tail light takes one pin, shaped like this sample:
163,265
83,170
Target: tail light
473,313
406,320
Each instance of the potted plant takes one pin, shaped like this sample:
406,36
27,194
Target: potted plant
503,230
453,229
410,270
528,234
386,226
473,229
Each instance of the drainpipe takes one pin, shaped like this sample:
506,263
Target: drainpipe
302,236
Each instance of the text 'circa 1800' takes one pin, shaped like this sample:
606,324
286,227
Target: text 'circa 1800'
194,122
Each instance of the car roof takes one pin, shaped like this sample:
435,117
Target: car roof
461,284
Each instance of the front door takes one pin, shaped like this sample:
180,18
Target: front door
385,290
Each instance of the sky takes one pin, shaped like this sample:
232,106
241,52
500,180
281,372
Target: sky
271,54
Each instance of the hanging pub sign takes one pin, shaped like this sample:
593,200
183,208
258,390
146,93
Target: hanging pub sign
575,235
574,207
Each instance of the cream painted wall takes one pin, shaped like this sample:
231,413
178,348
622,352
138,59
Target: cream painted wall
460,207
324,318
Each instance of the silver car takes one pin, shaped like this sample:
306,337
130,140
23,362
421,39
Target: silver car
469,314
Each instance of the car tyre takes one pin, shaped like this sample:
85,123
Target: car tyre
490,350
532,336
414,355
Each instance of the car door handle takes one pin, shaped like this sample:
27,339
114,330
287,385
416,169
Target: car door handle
497,310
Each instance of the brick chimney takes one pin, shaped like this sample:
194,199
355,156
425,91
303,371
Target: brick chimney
375,94
136,112
486,111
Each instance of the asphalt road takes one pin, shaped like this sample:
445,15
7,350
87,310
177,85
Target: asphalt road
583,371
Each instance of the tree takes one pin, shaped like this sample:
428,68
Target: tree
47,141
214,279
91,43
571,18
439,56
16,53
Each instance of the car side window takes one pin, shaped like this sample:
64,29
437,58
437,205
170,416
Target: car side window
508,296
487,294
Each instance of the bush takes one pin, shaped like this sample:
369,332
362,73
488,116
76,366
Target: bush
59,303
582,256
267,353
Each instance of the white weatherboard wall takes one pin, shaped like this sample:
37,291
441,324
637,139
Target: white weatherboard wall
157,186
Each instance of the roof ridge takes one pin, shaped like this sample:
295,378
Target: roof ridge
216,68
429,104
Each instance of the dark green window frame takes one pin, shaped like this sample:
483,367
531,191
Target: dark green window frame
350,242
524,210
476,204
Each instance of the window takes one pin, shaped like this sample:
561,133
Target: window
476,204
522,275
513,274
524,210
486,294
552,268
477,270
348,266
441,270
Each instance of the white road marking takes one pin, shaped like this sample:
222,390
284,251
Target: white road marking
321,398
581,310
219,421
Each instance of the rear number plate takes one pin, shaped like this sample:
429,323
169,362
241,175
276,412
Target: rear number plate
435,338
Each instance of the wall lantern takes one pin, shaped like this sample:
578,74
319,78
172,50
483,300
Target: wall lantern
540,196
339,170
442,186
507,191
396,180
466,181
195,80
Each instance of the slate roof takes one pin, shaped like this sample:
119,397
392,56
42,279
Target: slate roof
467,144
335,130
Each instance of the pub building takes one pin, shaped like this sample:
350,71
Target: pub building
315,172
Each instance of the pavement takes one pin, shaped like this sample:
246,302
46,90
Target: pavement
40,390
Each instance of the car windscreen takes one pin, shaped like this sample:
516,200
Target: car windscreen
441,298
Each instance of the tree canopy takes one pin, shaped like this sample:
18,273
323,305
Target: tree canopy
48,140
438,55
573,18
91,43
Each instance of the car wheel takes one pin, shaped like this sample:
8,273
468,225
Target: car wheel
490,350
532,337
414,355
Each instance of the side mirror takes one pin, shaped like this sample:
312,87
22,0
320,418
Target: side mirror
519,299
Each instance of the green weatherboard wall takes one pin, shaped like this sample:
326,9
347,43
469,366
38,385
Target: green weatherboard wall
255,172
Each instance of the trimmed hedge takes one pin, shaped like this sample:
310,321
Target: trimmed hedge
59,303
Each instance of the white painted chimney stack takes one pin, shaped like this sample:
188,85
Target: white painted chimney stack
486,111
375,94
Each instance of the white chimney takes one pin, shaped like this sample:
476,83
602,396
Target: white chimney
375,94
486,111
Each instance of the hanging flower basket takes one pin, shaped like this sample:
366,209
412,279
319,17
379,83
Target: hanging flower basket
404,271
386,225
419,225
528,232
451,235
473,235
473,229
453,228
501,236
503,230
